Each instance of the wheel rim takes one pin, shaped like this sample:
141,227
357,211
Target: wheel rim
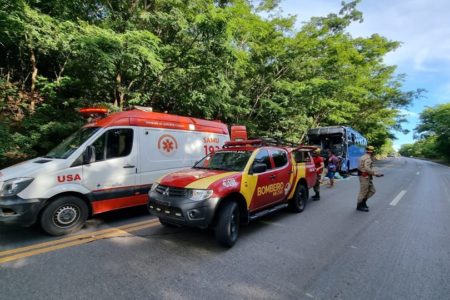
66,215
233,224
301,198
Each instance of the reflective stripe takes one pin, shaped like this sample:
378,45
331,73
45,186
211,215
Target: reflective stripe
204,183
249,182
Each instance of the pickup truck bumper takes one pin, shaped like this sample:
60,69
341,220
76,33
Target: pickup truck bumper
15,210
182,211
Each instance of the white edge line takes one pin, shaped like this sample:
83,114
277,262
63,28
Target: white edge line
398,198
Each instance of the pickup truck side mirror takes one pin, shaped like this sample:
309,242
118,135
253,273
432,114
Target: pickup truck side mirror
258,168
89,155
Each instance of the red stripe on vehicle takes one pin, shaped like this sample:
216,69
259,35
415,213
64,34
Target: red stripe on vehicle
118,203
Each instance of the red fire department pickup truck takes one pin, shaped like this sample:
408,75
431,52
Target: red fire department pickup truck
243,181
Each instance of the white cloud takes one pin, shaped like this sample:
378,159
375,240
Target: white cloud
422,26
408,113
441,94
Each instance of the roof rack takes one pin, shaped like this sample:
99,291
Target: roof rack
254,143
278,142
260,142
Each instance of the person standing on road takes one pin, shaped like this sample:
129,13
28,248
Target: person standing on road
333,162
318,163
366,173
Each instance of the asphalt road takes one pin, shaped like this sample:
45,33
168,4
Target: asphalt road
399,250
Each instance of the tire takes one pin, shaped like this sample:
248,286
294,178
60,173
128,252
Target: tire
64,215
298,203
227,229
166,224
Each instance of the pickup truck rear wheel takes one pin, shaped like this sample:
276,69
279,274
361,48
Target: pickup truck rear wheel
64,215
298,202
227,229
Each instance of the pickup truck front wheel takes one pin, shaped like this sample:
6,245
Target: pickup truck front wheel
227,229
64,215
298,202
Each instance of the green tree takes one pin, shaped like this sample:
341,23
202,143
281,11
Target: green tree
434,128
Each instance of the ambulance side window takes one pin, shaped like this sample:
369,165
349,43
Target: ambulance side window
263,158
113,143
99,145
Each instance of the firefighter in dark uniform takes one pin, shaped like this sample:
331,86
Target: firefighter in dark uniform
318,163
366,173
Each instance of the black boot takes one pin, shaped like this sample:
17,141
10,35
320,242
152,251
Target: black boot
361,207
316,197
364,203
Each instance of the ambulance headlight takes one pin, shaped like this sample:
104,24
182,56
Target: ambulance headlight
199,195
14,186
154,186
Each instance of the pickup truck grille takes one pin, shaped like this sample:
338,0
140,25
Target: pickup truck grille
171,191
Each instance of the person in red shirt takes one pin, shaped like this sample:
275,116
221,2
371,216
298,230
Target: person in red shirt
318,162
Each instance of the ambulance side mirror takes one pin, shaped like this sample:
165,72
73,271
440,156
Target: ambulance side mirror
89,155
258,168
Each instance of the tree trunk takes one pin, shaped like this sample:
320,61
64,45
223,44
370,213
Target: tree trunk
120,95
34,73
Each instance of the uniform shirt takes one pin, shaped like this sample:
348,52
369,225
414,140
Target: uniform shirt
366,164
318,161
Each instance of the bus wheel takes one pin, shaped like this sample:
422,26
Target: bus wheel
298,203
64,215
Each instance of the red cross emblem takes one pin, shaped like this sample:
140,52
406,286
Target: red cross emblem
167,145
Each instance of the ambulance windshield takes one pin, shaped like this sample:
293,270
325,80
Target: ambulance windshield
69,145
225,160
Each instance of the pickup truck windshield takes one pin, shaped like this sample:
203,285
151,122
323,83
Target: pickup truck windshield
69,145
225,160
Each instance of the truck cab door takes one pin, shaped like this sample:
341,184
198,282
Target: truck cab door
262,196
111,177
305,165
310,169
284,172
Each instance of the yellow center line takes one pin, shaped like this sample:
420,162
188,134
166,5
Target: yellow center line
75,237
114,233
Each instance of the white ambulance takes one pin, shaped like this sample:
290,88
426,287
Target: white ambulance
106,165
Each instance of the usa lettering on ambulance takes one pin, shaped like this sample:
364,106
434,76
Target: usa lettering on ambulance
69,177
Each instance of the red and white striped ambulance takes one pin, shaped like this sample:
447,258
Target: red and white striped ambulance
106,165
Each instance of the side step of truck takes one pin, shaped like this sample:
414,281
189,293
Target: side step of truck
268,211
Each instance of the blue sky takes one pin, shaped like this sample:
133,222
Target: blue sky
423,28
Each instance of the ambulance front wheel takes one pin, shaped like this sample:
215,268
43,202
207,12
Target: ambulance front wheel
227,229
64,215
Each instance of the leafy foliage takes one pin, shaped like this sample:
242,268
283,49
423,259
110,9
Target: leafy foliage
239,61
434,134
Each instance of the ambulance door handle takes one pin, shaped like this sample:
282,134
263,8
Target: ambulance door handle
129,166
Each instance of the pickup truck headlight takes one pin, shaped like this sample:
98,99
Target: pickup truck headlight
14,186
199,195
154,186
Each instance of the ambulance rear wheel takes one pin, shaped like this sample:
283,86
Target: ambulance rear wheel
64,215
227,229
298,203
